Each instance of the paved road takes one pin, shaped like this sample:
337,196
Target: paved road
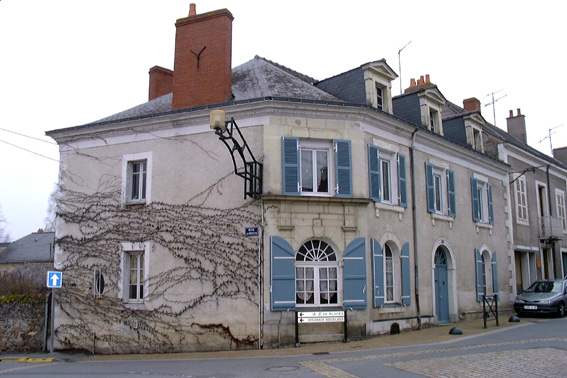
531,349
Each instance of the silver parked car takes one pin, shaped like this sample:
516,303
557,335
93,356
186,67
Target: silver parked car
543,297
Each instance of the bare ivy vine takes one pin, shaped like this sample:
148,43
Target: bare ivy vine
206,245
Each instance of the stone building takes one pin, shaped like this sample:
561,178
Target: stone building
366,207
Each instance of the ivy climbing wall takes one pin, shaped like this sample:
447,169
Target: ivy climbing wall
202,284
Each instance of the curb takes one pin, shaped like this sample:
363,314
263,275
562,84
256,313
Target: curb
26,359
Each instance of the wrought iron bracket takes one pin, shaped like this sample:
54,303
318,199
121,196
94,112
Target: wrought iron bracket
251,171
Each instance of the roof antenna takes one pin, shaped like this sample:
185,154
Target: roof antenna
493,102
400,64
550,133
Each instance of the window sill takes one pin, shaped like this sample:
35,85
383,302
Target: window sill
444,218
389,207
135,203
392,308
481,225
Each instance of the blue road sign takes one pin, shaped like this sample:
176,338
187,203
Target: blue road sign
252,231
54,279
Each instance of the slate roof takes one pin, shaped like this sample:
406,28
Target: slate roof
451,110
256,78
33,248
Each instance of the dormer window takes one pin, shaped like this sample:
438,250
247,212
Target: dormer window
473,127
378,78
434,123
379,97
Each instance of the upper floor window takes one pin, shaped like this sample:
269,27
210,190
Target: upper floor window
561,212
137,180
521,198
387,176
316,275
379,97
316,167
481,194
440,183
136,175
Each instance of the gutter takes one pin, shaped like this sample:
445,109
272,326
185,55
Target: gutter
414,223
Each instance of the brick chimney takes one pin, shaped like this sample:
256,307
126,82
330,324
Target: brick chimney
560,154
517,126
203,52
161,82
471,104
422,82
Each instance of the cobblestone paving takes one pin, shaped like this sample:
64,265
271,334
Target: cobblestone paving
522,363
527,363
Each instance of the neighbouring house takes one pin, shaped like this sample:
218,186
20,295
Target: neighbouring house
30,257
389,209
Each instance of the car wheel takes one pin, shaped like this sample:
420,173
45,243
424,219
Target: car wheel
520,314
561,310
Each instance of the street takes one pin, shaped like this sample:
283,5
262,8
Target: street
530,349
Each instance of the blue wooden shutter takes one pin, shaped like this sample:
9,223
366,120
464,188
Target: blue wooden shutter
430,188
290,165
402,185
451,193
475,200
378,287
343,169
354,275
282,285
374,175
490,204
406,273
494,274
478,270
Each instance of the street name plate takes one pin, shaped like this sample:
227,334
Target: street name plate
321,316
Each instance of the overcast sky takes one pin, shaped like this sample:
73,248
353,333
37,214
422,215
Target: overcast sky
65,63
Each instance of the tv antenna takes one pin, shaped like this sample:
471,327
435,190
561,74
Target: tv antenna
550,133
400,64
493,103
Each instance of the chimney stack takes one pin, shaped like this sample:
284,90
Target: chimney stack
422,82
471,104
161,82
517,126
203,53
560,154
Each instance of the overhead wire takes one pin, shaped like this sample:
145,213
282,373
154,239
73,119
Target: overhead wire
27,136
35,153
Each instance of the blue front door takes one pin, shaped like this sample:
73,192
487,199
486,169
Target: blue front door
441,287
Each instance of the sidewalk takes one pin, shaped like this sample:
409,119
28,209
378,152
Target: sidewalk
431,335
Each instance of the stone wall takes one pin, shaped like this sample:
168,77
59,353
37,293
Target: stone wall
21,323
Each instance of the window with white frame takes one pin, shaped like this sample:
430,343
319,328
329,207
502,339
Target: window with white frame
521,197
134,272
135,261
316,167
391,274
316,275
440,182
481,194
387,176
379,97
137,170
560,202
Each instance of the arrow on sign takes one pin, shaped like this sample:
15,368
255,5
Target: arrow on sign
54,279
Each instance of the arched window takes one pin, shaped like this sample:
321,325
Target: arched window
486,272
389,272
316,275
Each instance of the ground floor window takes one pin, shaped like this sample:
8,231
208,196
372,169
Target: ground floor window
316,275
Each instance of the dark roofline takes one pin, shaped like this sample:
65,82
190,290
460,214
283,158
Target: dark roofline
281,99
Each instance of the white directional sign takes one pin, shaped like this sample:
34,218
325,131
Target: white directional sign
54,279
321,316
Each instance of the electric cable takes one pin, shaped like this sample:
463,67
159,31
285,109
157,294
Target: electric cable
35,153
